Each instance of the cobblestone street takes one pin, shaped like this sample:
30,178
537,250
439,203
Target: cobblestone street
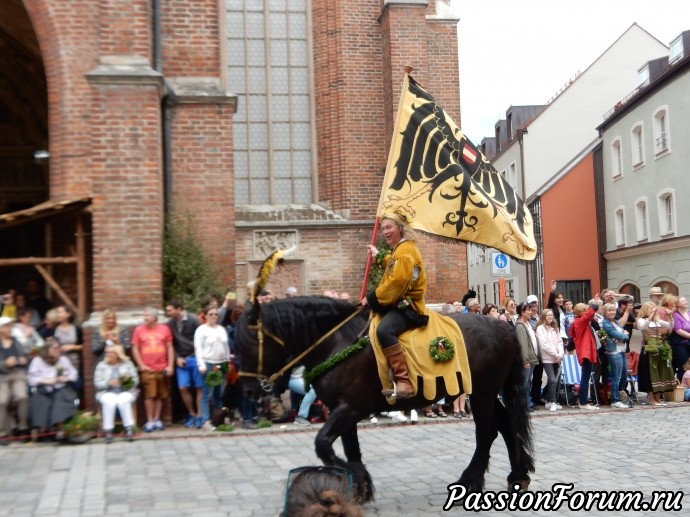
243,473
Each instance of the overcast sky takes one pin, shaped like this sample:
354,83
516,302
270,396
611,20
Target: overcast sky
521,52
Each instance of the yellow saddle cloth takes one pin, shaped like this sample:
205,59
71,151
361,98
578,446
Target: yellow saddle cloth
415,344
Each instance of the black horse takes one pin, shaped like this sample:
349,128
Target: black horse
269,335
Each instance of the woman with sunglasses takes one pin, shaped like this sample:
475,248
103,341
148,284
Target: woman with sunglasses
212,355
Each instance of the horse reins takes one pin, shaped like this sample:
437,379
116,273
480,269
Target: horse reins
267,382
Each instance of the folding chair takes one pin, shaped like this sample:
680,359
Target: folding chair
570,372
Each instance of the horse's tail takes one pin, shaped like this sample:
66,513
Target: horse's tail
515,399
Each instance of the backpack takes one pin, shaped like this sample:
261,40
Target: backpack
276,411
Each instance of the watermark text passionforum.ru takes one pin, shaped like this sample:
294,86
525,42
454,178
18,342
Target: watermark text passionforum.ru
562,496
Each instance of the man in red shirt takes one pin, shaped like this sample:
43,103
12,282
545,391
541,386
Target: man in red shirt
152,349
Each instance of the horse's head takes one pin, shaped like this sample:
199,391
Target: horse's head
273,337
260,355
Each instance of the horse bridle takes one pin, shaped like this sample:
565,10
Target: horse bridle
267,382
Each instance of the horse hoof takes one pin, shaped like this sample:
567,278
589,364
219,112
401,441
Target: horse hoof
520,486
471,486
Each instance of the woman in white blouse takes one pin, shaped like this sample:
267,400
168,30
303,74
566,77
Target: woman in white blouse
212,354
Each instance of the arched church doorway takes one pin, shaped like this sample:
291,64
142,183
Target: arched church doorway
24,175
42,241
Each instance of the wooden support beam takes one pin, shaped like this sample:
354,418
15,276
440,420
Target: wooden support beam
32,261
81,269
56,287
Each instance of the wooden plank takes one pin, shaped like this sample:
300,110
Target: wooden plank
81,269
32,261
56,287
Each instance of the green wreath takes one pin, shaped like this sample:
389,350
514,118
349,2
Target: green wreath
441,349
214,377
126,382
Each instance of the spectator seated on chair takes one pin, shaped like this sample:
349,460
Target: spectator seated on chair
51,377
116,381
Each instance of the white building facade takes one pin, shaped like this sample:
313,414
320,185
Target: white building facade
645,157
547,147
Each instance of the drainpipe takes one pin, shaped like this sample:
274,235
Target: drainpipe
521,132
166,105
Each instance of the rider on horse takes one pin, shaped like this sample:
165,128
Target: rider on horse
399,297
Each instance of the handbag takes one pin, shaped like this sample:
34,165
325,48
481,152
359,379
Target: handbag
232,375
318,412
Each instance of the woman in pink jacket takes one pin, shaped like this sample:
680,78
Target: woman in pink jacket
551,351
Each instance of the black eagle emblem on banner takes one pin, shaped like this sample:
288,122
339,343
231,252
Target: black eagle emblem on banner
446,186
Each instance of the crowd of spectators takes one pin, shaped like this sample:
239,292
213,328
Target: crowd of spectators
42,372
598,333
41,367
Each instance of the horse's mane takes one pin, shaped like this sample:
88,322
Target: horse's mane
306,318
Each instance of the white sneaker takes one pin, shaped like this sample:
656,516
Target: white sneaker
413,415
398,416
619,405
553,407
589,406
374,420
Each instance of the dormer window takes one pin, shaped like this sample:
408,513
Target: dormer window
676,49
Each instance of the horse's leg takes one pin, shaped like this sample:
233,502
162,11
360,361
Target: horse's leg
514,426
353,453
518,471
351,445
342,422
485,433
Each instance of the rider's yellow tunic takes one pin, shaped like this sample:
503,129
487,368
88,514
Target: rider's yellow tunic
404,277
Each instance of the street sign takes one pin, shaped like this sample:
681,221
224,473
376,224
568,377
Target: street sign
500,264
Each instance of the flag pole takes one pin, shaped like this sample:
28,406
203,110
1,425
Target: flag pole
370,258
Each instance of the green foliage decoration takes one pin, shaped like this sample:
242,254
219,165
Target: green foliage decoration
188,273
81,423
334,360
377,269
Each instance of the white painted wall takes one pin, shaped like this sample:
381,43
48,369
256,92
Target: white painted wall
569,123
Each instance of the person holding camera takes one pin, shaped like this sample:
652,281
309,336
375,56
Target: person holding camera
615,351
109,331
625,316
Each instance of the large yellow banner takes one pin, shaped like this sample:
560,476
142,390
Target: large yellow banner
445,186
